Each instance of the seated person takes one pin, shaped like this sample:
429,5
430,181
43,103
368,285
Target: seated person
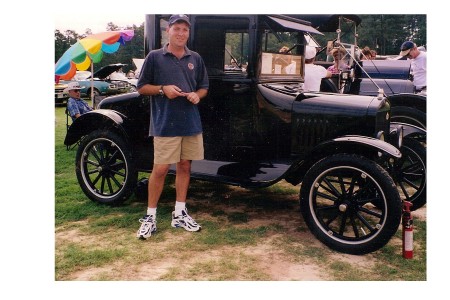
338,65
75,105
313,73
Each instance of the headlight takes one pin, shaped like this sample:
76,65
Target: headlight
380,135
396,136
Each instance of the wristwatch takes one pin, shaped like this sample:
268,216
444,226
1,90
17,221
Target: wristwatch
161,92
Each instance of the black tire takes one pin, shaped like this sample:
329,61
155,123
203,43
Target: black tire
337,200
409,115
409,173
105,168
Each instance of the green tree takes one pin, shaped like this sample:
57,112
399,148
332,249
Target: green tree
386,33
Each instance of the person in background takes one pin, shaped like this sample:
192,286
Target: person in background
131,74
418,66
75,105
373,54
338,65
366,53
176,78
313,73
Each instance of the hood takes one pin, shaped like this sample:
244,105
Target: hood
105,71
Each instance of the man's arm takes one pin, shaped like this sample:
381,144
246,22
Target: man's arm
149,90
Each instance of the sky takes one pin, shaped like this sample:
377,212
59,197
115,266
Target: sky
96,22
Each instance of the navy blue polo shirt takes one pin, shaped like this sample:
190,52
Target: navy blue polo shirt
176,117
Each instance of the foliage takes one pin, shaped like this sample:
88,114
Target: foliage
383,33
386,33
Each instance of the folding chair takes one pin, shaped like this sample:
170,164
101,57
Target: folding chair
68,123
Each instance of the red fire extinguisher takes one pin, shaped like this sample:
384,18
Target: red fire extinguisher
407,236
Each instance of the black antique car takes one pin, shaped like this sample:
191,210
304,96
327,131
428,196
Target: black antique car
260,127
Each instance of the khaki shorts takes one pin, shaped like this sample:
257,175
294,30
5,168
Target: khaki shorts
170,150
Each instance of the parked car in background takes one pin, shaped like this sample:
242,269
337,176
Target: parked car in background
260,127
390,77
60,95
119,75
101,84
132,77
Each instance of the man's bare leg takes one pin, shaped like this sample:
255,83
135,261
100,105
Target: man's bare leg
156,183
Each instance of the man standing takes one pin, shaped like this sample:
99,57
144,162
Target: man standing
75,105
176,78
418,66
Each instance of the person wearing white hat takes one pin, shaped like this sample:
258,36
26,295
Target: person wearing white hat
75,105
418,66
313,73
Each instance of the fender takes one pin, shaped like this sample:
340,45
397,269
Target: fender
355,144
410,130
410,100
88,122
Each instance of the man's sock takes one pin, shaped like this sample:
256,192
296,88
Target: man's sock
179,206
151,211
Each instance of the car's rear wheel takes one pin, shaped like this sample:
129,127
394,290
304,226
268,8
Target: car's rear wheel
350,203
409,173
105,168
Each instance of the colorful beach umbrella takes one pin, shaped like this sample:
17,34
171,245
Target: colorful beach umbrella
89,50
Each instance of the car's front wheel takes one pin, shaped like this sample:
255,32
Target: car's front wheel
350,203
105,168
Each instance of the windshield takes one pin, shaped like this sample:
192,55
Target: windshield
282,53
278,64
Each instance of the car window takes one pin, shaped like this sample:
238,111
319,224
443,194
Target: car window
236,51
163,25
281,53
278,64
225,46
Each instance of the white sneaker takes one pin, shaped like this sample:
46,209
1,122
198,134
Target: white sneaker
148,226
185,221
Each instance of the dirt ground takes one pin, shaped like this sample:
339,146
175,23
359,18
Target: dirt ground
271,257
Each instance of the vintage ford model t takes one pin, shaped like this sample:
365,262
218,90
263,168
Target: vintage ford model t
260,127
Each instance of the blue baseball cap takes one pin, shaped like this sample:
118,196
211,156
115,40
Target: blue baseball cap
179,18
406,47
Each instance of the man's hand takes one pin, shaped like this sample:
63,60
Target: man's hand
172,91
192,97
